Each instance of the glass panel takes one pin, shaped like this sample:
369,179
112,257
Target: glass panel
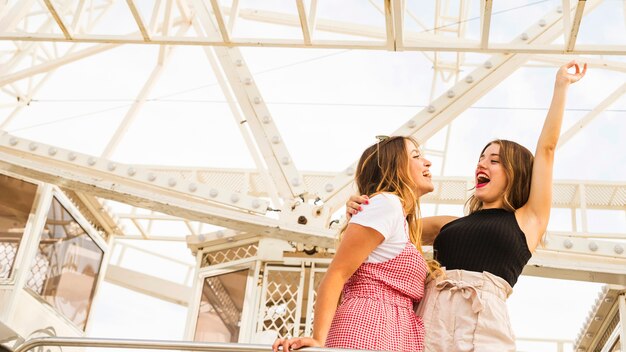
219,317
66,267
16,201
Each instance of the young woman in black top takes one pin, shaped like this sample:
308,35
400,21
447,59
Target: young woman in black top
484,252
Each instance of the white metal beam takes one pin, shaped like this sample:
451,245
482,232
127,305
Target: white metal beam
486,9
137,186
138,20
573,31
280,164
217,12
304,22
398,7
131,114
153,286
389,30
58,19
55,63
579,125
461,96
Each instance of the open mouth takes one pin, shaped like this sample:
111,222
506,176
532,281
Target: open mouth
427,174
482,180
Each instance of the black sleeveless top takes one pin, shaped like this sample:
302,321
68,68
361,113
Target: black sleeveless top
486,240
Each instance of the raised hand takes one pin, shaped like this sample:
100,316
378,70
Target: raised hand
564,77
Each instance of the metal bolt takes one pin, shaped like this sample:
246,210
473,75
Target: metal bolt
193,187
430,108
91,161
488,64
171,182
618,249
568,244
234,198
469,79
111,166
450,93
256,204
151,177
285,160
71,156
13,141
266,119
52,151
593,246
524,36
542,23
411,124
275,140
131,171
213,193
33,146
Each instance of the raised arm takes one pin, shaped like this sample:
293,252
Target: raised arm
357,243
534,215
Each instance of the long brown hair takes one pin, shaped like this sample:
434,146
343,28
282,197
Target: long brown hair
384,167
517,162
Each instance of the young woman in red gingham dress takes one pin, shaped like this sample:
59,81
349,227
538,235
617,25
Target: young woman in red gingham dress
379,265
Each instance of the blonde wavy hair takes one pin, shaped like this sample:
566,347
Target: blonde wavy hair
384,168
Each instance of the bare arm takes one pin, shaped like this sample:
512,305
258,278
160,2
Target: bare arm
534,215
431,226
357,243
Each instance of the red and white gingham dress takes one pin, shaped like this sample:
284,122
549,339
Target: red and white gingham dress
376,311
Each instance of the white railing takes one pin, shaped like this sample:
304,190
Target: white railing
152,344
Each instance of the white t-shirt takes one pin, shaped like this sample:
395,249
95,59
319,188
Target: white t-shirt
384,214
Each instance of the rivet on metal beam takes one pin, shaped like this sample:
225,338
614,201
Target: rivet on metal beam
257,100
71,156
151,177
469,79
618,249
488,64
213,193
593,246
33,146
329,187
256,203
295,182
234,197
285,160
239,63
111,166
559,9
91,161
247,81
450,93
430,108
52,151
542,23
193,187
275,140
13,141
266,119
524,36
568,244
131,171
171,182
411,124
